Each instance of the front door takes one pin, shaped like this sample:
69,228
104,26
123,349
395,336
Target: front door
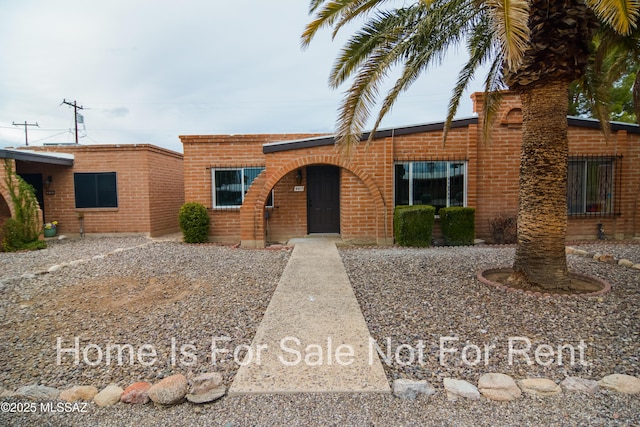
323,199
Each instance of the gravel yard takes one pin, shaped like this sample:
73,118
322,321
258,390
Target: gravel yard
164,293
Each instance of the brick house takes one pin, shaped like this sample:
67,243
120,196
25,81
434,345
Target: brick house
269,188
135,189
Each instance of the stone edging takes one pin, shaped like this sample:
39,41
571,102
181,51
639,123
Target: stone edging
502,387
606,286
610,259
207,388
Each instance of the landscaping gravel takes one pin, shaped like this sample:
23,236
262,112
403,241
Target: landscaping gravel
141,291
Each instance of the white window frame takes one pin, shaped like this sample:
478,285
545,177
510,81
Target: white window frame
242,184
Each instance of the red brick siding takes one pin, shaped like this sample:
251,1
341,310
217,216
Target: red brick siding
149,183
367,176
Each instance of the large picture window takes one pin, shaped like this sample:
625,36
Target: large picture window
231,184
96,190
437,183
590,186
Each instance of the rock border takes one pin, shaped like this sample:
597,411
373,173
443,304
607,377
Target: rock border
207,388
606,286
608,258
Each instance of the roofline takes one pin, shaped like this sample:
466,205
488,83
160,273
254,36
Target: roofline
595,124
274,147
27,156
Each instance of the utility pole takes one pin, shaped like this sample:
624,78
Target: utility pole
25,124
76,107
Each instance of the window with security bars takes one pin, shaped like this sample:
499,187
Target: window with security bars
436,183
591,186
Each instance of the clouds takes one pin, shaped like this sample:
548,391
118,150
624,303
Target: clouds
149,73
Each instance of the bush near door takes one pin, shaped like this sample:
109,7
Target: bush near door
413,225
458,225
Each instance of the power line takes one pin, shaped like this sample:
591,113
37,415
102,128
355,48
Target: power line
26,137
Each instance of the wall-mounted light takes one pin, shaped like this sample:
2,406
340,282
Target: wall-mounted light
299,177
48,182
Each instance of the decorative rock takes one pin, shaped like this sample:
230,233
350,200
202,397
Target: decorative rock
580,252
460,388
5,393
409,389
540,387
37,392
206,382
496,386
136,393
625,263
636,266
208,396
621,383
580,385
83,392
54,268
110,395
606,258
170,390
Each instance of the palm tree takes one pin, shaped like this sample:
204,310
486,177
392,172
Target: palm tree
535,47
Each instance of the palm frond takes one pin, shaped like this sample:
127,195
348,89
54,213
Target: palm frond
381,32
442,25
335,13
481,48
493,88
511,21
621,15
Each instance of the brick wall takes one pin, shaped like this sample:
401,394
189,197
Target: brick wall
367,187
149,184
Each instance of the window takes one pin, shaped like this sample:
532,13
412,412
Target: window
96,190
231,184
590,186
440,184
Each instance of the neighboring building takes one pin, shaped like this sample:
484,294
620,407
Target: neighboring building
269,188
102,189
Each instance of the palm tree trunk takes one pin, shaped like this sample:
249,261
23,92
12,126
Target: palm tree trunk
540,260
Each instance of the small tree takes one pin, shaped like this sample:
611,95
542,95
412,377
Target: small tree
23,230
194,222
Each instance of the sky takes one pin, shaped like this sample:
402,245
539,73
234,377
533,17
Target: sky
148,71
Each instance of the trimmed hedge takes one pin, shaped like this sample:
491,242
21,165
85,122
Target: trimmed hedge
458,225
413,225
194,222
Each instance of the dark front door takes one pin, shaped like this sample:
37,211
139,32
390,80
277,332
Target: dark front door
323,199
35,179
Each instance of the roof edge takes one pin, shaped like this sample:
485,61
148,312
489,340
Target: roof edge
63,159
274,147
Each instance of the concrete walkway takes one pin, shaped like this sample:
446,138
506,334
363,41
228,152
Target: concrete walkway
313,337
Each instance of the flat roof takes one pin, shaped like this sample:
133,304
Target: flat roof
64,159
273,147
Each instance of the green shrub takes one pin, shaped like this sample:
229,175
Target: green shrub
458,225
23,230
413,225
194,222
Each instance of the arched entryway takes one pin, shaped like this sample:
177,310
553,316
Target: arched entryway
252,212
